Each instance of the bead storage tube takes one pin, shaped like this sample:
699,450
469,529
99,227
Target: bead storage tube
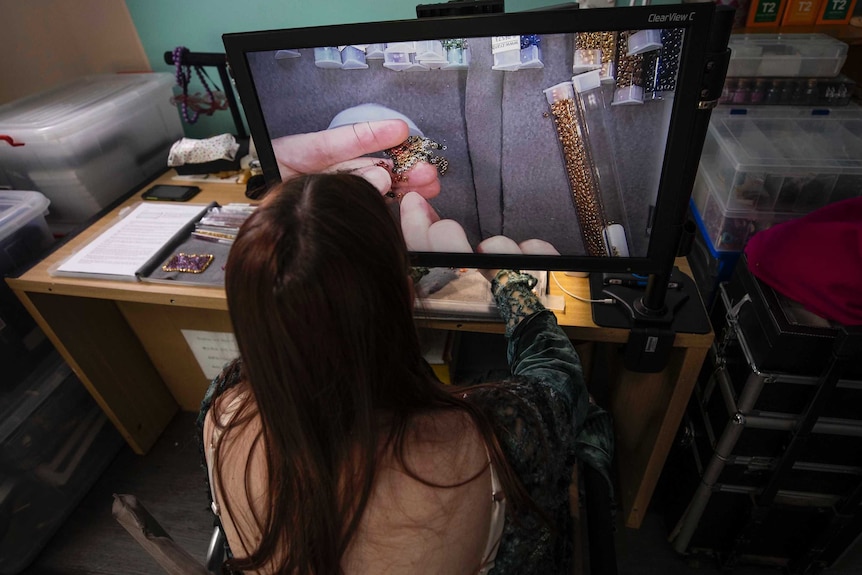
595,117
629,73
668,68
596,50
588,207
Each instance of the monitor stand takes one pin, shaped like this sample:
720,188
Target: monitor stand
652,330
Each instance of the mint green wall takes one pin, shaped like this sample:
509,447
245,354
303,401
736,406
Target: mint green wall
163,25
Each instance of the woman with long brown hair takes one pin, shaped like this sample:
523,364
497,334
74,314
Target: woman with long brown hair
331,446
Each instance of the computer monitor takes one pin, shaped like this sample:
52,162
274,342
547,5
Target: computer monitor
573,127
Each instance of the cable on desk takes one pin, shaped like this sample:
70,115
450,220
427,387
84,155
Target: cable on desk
579,298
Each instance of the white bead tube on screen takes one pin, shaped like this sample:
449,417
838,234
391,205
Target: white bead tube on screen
578,165
594,114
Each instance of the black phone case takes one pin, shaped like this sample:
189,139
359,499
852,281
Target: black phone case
169,193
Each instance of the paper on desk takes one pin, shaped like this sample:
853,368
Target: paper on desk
125,247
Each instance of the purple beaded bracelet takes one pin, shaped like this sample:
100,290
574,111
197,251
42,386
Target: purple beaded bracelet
184,79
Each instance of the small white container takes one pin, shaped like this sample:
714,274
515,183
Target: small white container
287,54
327,57
644,41
375,51
352,58
587,59
457,58
396,56
431,53
628,96
560,92
531,57
507,52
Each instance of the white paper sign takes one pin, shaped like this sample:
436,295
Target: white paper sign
212,349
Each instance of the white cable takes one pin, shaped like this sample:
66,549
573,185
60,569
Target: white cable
579,298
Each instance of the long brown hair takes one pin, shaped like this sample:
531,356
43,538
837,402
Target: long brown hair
318,292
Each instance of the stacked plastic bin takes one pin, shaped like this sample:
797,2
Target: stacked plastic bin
764,164
54,439
786,70
83,147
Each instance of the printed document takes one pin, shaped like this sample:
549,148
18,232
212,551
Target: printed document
125,247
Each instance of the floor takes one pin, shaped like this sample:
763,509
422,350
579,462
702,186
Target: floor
169,482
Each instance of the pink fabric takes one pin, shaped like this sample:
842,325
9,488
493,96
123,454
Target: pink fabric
815,260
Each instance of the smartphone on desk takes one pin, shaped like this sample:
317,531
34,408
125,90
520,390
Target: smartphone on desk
170,193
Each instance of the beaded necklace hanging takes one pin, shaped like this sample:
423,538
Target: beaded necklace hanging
184,78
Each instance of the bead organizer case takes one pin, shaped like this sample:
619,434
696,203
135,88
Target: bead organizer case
791,164
760,169
752,91
785,55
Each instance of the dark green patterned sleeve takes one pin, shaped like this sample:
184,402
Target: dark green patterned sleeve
513,293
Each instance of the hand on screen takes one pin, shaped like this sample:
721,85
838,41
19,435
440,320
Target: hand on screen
504,245
344,149
424,231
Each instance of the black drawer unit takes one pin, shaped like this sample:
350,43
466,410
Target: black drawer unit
768,467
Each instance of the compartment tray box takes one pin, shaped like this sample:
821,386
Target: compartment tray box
784,161
709,266
835,91
728,230
786,55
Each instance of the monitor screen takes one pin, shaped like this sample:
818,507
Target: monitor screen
564,131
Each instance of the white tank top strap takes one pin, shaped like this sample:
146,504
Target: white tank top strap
227,415
498,519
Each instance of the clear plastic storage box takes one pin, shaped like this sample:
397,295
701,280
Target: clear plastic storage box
55,442
785,55
783,162
88,142
24,233
728,230
24,238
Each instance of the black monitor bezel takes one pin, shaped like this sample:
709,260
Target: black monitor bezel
674,192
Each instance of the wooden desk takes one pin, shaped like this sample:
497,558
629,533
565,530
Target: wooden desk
123,340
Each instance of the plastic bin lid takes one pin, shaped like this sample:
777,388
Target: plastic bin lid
77,105
792,38
17,208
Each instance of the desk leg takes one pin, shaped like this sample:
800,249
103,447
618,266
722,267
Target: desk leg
647,410
97,343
